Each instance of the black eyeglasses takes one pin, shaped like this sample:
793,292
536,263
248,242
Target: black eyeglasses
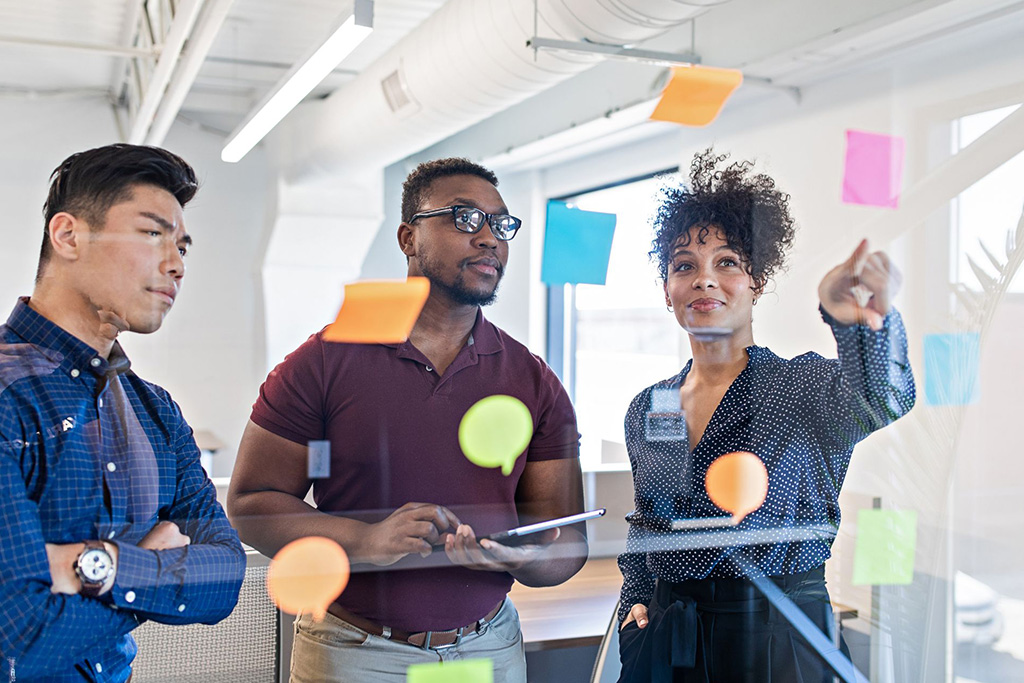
470,219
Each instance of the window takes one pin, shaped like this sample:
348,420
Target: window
989,208
617,338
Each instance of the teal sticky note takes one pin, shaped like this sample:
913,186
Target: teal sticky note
577,245
951,368
462,671
886,541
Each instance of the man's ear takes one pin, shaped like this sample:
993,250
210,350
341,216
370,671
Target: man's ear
406,239
66,234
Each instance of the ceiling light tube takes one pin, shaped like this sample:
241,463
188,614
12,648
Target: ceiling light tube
300,80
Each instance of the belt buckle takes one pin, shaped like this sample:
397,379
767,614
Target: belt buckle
458,640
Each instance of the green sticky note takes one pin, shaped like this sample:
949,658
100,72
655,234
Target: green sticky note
463,671
886,540
495,431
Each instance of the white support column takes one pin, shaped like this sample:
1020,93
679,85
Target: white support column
320,238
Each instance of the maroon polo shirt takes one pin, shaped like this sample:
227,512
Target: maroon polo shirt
393,426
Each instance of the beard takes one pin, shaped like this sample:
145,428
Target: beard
458,291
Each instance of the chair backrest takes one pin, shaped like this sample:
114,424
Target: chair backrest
607,665
243,648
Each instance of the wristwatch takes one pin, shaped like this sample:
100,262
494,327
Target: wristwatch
94,568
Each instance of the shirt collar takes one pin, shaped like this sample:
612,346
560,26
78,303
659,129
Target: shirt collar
56,341
483,338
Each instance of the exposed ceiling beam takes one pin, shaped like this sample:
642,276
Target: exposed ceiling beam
129,36
181,27
207,28
114,50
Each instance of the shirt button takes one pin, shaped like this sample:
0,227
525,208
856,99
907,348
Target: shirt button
95,362
111,534
75,372
111,467
100,402
99,668
430,369
129,596
181,608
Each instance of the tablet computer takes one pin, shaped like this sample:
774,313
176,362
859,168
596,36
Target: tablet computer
512,536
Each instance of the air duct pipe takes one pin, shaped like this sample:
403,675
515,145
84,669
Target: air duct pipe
466,62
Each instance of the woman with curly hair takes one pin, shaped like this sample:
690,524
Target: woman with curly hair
688,609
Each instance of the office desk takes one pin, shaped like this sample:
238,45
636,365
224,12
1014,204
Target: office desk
574,614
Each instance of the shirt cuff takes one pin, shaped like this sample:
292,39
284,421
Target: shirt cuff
837,326
135,583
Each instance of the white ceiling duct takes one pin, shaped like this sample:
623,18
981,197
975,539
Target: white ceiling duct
466,62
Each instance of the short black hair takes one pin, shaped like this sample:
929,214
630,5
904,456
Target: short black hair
417,184
88,183
751,214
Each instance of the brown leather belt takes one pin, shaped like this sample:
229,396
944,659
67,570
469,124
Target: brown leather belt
422,639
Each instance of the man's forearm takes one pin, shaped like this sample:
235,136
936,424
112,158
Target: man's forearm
557,564
269,520
63,557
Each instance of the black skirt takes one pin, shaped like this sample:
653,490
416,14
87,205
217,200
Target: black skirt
725,631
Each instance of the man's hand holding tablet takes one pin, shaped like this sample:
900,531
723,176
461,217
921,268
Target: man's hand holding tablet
494,553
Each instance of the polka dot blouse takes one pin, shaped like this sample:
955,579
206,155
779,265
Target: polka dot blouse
802,417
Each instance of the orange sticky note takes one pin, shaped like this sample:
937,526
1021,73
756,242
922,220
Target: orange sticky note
737,483
307,575
696,94
379,311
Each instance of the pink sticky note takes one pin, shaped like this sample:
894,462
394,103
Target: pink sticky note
874,169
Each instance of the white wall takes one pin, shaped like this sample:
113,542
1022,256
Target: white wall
35,136
209,353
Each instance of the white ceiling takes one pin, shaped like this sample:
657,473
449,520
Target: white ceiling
76,48
43,53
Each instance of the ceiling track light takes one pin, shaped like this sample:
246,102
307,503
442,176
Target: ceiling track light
351,29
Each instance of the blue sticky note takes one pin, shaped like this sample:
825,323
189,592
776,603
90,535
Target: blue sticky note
951,368
577,245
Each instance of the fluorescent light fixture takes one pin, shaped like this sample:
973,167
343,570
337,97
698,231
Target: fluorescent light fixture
300,80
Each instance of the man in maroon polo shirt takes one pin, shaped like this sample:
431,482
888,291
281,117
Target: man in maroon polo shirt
400,497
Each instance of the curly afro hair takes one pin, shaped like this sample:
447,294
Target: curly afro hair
750,213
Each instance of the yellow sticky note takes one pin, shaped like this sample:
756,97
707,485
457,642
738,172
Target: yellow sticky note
886,542
379,311
696,94
464,671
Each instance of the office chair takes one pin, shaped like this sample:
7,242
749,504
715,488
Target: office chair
244,648
607,666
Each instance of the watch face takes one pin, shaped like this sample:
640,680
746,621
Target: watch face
94,565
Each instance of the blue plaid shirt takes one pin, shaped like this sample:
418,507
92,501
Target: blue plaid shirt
90,451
